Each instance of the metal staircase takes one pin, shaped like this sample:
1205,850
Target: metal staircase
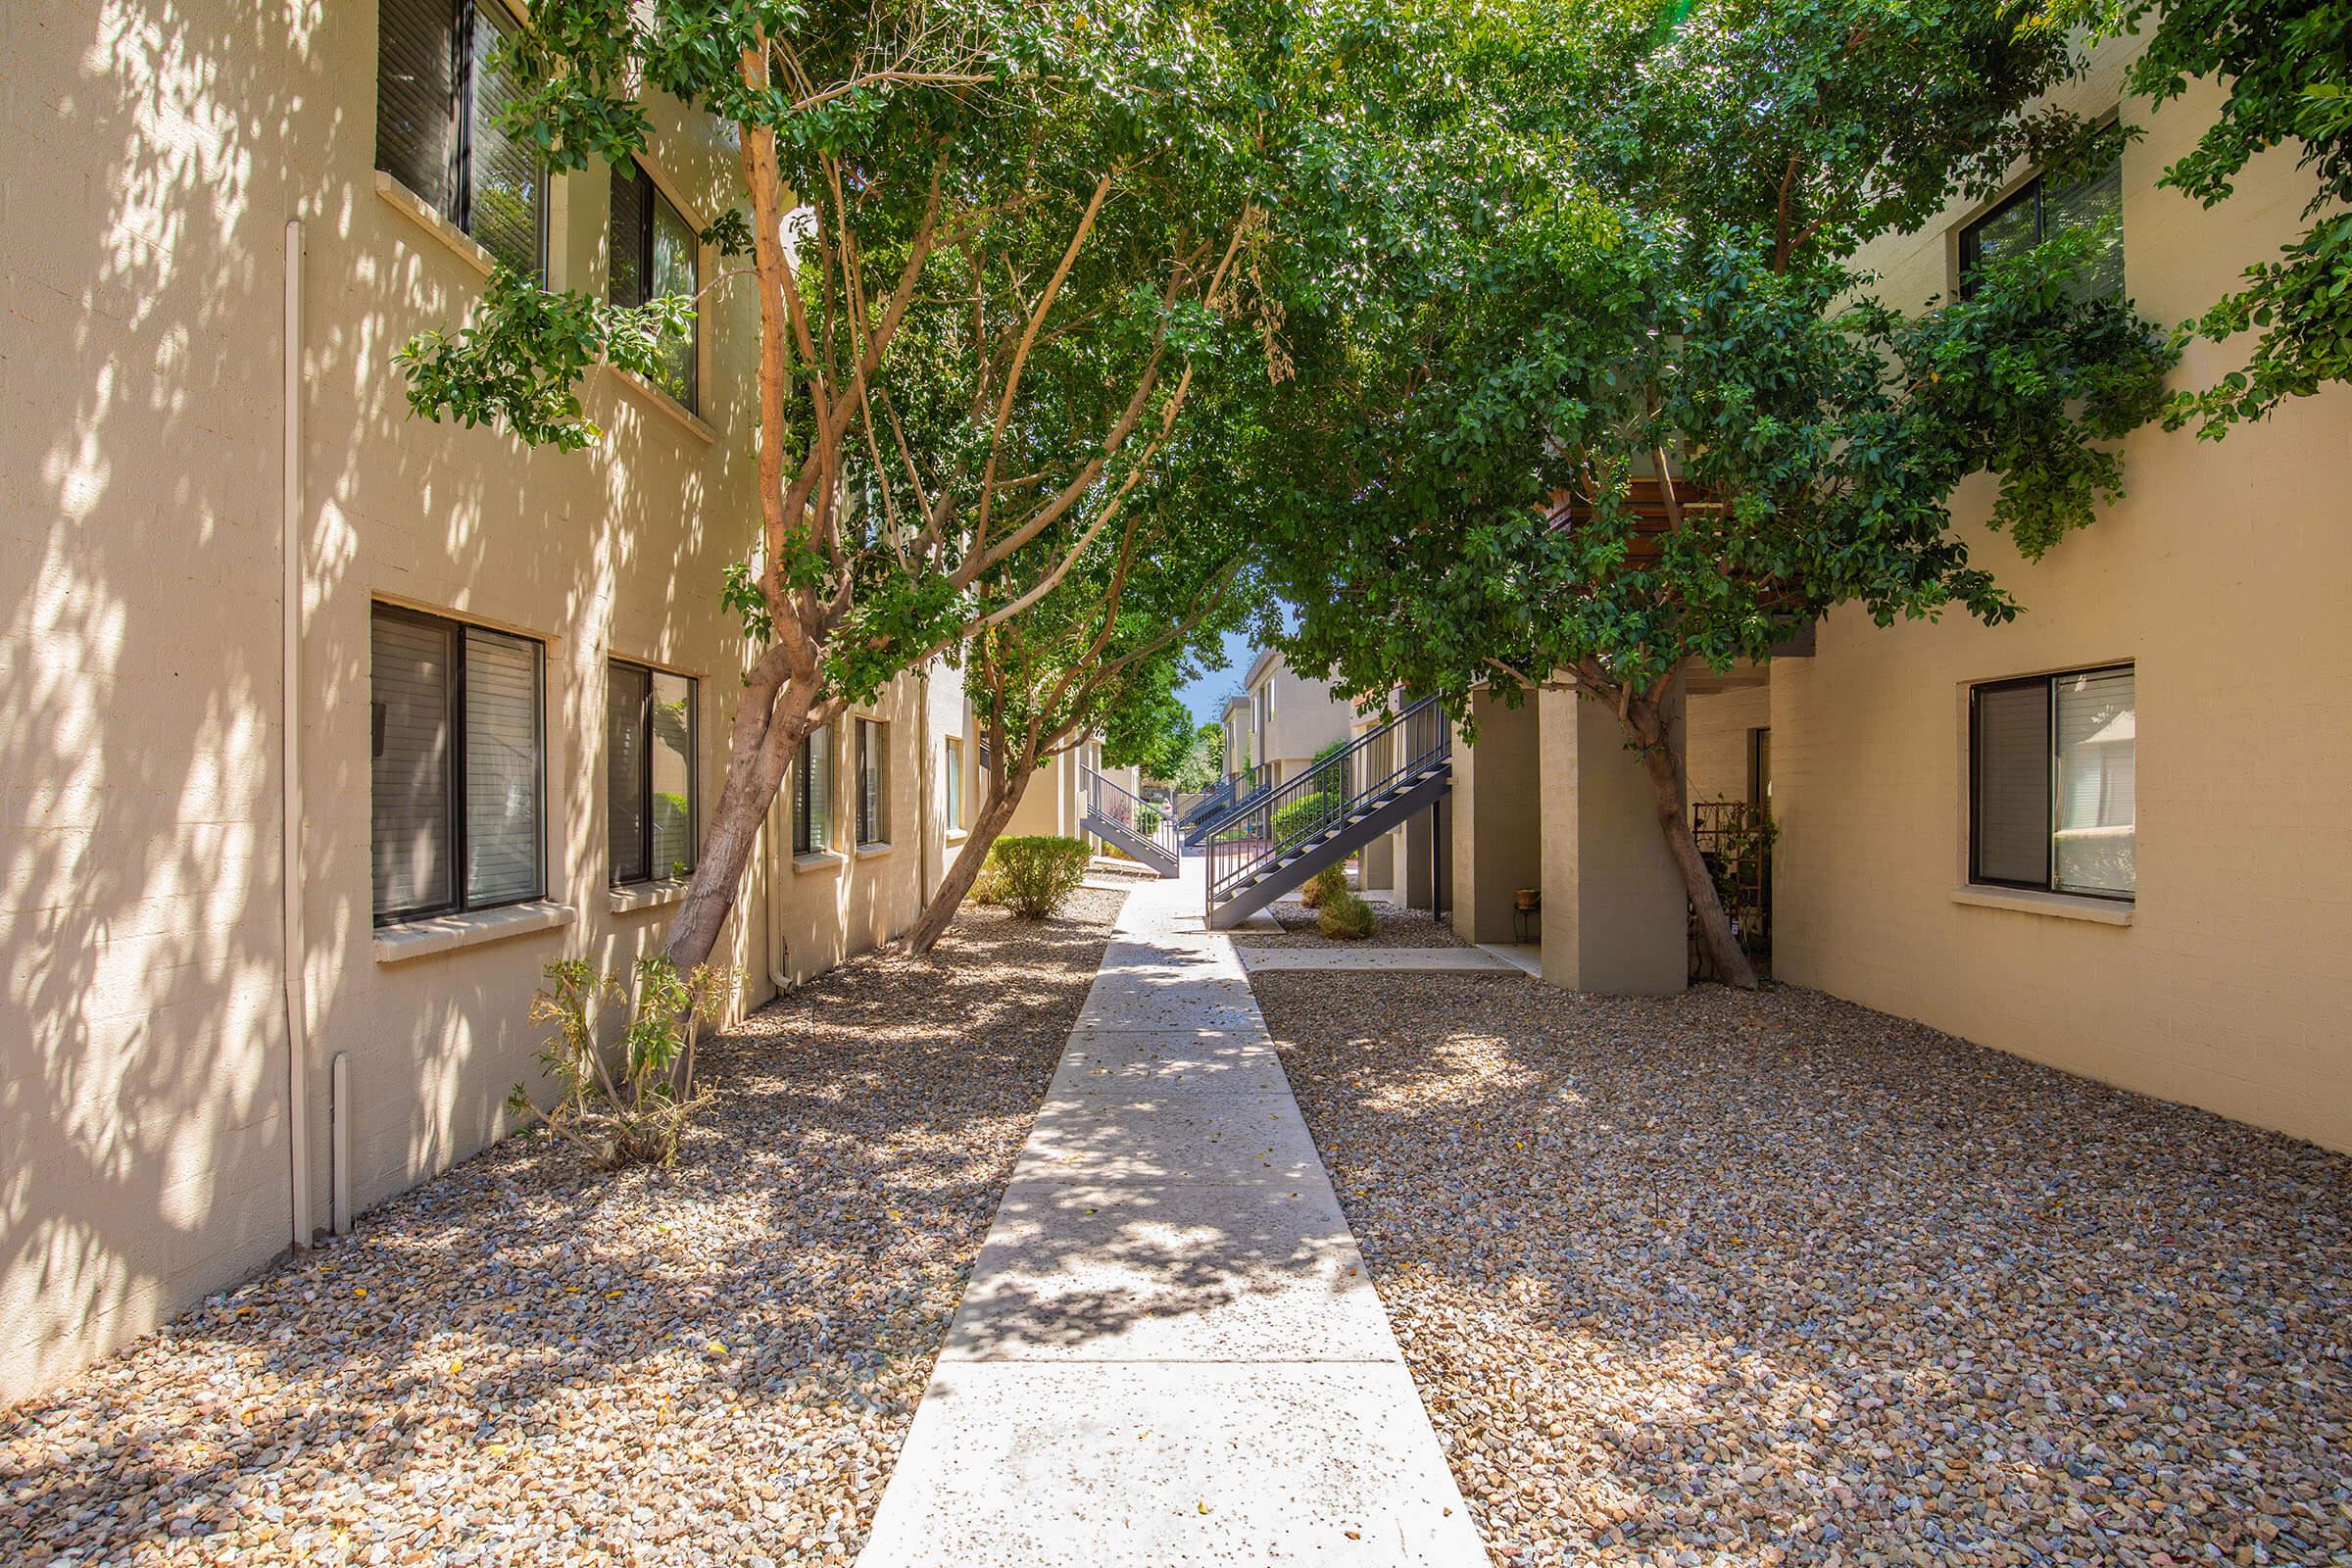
1268,845
1116,815
1241,792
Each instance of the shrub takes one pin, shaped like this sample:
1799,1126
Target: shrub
1039,873
635,1115
1331,879
1305,814
1345,916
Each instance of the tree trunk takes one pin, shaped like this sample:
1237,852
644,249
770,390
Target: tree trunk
769,726
995,812
1663,763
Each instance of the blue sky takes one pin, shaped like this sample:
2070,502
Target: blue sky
1208,694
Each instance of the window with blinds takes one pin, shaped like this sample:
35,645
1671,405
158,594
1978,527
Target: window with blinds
2045,209
812,795
2052,783
651,781
456,774
440,91
655,252
873,782
952,767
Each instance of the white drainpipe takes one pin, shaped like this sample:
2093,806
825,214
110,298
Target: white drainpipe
767,902
298,1042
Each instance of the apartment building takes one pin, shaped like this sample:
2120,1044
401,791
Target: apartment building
328,727
1975,828
1289,718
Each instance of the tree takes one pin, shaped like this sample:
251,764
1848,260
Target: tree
1200,759
1591,390
1101,654
991,244
2288,68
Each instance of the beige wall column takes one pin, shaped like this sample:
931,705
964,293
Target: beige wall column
1615,919
1415,867
1497,819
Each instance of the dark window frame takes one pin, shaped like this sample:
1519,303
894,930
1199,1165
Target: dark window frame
651,200
804,842
2049,786
645,775
458,903
1972,234
464,17
873,782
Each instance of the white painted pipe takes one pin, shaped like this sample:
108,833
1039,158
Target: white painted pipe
339,1134
298,1034
768,899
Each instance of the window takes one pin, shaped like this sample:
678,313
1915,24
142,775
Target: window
655,253
2043,209
651,787
458,767
438,96
873,782
812,795
2051,783
955,772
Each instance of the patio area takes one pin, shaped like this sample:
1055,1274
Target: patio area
1772,1277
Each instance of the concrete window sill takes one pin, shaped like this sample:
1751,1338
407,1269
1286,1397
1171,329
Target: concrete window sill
446,933
462,245
875,851
644,896
957,835
661,403
2058,906
821,860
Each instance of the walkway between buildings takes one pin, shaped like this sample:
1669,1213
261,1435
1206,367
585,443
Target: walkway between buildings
1170,1352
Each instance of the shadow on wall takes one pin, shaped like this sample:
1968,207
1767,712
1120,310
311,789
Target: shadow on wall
143,1067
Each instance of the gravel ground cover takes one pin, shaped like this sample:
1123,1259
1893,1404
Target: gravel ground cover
526,1362
1393,926
1769,1278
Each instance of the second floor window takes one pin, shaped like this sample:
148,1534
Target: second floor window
438,97
655,252
812,795
650,774
2045,209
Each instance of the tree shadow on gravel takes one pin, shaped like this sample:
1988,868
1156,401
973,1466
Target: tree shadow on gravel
714,1359
1779,1276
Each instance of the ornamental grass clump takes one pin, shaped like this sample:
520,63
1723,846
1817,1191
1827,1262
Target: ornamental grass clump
1036,874
632,1113
1345,917
1321,887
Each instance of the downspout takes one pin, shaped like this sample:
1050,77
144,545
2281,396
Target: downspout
298,1040
767,902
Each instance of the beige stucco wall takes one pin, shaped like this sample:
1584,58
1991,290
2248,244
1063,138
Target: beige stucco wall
2221,577
1498,834
1718,723
1614,908
1306,716
144,1071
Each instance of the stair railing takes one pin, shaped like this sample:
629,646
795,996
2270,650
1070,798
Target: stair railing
1116,803
1248,787
1218,796
1322,799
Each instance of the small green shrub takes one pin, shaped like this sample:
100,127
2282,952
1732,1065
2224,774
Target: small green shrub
1331,879
631,1113
1345,916
1037,874
1305,814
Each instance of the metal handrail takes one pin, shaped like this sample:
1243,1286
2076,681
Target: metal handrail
1114,801
1286,818
1248,788
1217,799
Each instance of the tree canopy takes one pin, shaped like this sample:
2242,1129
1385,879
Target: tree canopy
1548,256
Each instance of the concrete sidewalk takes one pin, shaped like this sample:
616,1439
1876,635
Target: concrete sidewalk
1169,1352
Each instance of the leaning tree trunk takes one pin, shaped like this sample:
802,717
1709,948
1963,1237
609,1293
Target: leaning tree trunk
1004,798
769,726
1664,765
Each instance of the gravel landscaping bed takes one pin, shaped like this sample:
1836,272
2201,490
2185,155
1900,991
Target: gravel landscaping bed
1393,926
525,1361
1769,1278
